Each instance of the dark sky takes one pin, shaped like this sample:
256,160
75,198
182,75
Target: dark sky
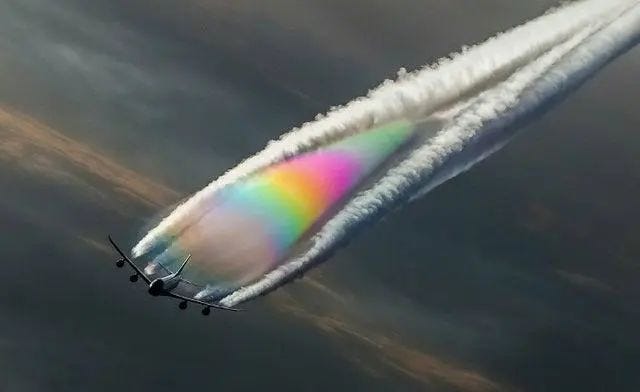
521,275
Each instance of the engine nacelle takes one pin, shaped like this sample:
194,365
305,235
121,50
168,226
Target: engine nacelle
156,287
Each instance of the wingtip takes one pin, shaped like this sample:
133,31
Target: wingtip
227,308
232,309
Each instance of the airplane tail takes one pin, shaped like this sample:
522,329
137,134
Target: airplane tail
184,264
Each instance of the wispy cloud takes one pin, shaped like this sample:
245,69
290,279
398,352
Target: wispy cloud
29,142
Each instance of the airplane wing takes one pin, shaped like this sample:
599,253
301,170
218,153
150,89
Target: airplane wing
190,288
133,265
203,303
186,291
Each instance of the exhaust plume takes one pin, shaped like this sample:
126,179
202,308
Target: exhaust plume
480,129
478,97
414,94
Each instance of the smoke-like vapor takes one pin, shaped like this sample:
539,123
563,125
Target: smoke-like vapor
481,95
413,95
473,132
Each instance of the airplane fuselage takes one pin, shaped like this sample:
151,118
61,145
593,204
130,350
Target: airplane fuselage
164,286
161,285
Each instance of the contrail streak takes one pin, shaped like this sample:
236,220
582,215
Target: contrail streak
414,95
479,97
478,130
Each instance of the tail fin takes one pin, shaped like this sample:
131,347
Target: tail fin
184,264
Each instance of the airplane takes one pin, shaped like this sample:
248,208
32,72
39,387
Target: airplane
164,286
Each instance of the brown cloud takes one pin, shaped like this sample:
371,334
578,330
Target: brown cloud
27,140
29,143
418,365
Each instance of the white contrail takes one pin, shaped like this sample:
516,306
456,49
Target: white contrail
413,95
478,130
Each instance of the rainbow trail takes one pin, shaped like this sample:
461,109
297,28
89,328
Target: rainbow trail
252,225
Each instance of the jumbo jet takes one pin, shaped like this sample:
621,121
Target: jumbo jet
166,286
